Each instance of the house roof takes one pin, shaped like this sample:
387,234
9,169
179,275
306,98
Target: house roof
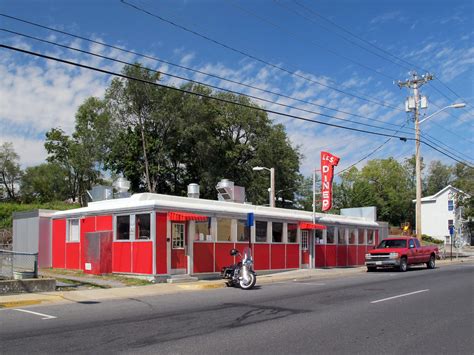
440,192
166,203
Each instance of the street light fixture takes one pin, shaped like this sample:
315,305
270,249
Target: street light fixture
418,162
272,182
459,105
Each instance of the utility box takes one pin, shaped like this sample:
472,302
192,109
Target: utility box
32,234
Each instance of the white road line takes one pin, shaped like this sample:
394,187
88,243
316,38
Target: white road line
310,283
45,316
404,295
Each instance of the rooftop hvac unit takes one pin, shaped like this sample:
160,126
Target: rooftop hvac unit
229,192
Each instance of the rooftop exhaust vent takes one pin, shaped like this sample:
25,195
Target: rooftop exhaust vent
229,192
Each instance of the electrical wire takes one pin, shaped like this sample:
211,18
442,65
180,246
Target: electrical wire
255,58
197,82
219,99
206,84
409,67
194,70
315,43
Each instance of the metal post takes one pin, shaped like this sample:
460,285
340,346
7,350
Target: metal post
272,187
314,196
418,163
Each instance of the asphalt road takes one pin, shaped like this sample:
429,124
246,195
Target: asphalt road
420,311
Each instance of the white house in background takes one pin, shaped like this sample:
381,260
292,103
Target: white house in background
438,212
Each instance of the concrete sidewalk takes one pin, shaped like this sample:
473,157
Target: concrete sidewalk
97,295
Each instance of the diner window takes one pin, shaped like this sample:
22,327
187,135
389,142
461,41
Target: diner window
352,236
123,227
341,233
243,232
177,236
318,235
261,231
292,232
450,205
202,230
277,232
330,235
142,226
73,230
361,236
224,229
304,240
370,236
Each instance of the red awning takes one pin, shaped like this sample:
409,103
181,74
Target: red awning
306,225
185,216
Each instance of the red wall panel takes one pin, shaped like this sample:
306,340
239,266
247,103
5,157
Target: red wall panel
87,225
223,257
142,261
361,250
178,259
331,255
73,256
203,257
104,223
161,244
305,257
59,243
262,256
320,252
292,256
352,255
278,256
122,257
342,255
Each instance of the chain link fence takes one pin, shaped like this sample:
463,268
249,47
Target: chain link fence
16,265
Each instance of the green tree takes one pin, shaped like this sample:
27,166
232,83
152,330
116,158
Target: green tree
10,172
383,183
140,119
439,176
44,183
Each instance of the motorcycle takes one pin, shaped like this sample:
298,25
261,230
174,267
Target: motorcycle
241,273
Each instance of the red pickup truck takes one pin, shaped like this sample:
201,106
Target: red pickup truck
400,252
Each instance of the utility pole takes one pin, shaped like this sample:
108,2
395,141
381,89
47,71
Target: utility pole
413,104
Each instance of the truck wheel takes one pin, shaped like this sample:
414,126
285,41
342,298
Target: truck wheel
403,264
371,268
432,263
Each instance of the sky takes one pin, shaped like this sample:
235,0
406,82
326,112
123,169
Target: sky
336,58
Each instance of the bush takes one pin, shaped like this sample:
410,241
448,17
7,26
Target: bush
428,239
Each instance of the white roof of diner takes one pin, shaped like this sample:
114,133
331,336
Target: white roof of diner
150,201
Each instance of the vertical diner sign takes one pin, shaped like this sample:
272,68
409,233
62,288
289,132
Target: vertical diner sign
328,162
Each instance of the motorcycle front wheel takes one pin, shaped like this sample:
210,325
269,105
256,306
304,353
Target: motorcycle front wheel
250,283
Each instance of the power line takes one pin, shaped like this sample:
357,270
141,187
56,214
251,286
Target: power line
290,72
370,154
195,81
411,65
317,44
233,81
256,108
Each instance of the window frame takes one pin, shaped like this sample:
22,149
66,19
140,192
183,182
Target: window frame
230,239
135,229
68,230
116,233
273,235
266,232
450,205
247,231
288,232
334,235
183,232
305,240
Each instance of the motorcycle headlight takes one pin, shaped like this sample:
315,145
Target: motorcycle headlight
394,255
368,256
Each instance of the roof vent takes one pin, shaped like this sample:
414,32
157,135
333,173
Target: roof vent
229,192
193,191
121,185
